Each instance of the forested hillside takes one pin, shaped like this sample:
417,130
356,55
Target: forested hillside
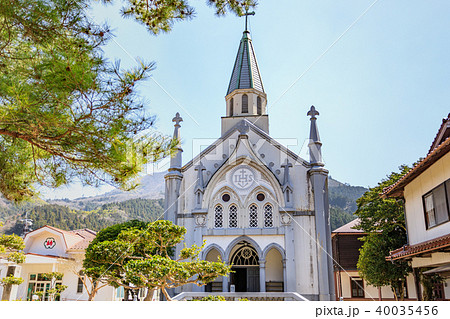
343,202
103,216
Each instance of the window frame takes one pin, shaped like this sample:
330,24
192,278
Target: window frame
447,204
358,287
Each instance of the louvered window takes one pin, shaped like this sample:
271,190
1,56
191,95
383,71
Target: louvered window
258,105
253,216
233,217
268,215
231,107
244,103
218,216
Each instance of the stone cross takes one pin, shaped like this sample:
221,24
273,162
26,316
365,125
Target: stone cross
313,112
286,171
177,119
200,168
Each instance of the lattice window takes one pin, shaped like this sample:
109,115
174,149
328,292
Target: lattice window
268,216
218,216
233,217
253,216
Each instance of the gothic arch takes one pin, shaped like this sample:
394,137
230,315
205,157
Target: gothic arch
277,247
216,183
211,247
237,241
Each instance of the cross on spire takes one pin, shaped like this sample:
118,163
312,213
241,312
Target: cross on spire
246,14
312,112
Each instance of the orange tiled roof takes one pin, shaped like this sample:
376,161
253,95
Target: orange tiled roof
396,189
426,246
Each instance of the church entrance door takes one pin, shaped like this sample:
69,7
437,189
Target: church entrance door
245,261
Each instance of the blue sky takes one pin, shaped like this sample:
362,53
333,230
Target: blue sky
382,89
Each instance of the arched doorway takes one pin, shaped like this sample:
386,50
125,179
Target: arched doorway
215,286
245,267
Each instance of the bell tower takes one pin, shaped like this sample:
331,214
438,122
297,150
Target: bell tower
245,96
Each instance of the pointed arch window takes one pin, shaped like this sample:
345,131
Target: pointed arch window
268,215
253,216
245,256
259,105
218,216
245,103
231,106
233,217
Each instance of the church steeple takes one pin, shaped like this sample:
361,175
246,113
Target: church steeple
245,95
245,72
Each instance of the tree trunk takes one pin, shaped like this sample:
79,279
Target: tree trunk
150,293
166,294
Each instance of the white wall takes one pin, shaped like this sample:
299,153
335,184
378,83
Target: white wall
274,266
436,174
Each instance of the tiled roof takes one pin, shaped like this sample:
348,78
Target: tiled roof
78,239
396,189
442,134
348,228
426,246
439,147
245,71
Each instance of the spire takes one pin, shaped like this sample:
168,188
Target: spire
175,161
315,153
245,72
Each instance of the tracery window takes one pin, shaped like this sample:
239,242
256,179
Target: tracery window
245,103
268,215
232,221
218,216
253,216
245,256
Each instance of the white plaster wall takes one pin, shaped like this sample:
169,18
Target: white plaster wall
305,254
35,244
371,292
274,266
436,174
447,288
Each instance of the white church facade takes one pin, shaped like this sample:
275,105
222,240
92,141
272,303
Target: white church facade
258,206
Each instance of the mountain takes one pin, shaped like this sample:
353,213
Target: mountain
151,187
143,203
342,198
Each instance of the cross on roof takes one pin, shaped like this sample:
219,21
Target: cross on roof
177,119
200,167
312,112
246,14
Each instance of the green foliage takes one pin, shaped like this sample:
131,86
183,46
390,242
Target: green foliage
10,280
104,216
339,217
141,257
384,220
65,111
159,16
428,283
212,298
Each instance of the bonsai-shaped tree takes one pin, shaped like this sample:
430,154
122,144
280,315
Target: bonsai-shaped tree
143,258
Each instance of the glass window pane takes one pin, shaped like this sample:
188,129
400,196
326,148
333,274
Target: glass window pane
440,204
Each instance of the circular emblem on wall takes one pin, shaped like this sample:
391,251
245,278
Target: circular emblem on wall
242,177
49,243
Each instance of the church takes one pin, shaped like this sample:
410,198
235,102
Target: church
258,206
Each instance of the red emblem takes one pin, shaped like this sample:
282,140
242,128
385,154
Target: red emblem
49,243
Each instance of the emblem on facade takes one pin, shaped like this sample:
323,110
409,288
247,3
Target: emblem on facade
242,177
49,243
200,220
285,219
